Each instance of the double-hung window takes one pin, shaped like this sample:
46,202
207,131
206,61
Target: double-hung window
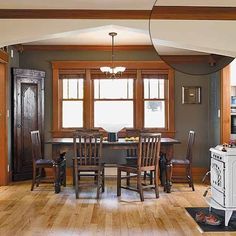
113,102
155,100
143,98
72,101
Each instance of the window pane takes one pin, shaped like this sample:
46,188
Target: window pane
73,88
130,88
154,114
65,88
113,88
146,89
154,88
162,88
119,114
72,114
96,88
80,88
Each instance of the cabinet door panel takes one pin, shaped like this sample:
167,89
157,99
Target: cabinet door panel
28,116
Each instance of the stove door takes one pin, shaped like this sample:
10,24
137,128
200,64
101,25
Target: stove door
217,175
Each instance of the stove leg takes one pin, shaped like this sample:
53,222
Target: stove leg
209,208
228,214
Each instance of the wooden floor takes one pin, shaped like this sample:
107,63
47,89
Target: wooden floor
42,212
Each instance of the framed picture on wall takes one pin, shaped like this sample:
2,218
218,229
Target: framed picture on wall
191,95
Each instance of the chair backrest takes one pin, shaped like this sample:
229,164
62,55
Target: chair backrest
191,139
132,133
36,145
88,147
149,149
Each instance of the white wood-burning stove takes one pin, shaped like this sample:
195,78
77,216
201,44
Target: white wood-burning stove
223,180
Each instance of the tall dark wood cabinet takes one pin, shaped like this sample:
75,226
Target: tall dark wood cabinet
28,86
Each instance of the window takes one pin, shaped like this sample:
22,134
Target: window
72,102
155,94
142,99
113,103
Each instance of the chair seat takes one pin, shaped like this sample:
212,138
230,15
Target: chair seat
180,162
45,162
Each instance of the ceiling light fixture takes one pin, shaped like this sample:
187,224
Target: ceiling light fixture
112,72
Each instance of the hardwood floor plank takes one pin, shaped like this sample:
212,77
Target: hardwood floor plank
42,212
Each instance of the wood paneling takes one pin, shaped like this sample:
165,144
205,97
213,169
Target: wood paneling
225,93
160,12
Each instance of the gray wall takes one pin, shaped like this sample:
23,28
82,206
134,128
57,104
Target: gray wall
197,116
193,117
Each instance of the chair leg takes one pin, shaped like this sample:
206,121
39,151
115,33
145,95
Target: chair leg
76,180
140,187
191,179
118,182
57,183
156,183
98,177
128,179
151,177
63,173
33,179
73,173
64,176
40,172
95,176
145,175
103,180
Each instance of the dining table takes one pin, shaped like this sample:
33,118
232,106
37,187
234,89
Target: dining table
60,145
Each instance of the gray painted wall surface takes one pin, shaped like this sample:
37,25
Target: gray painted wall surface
187,117
193,117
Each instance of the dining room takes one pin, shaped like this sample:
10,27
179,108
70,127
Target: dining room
95,74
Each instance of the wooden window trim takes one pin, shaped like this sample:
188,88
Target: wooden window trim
89,66
5,175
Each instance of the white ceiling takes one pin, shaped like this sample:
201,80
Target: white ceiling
78,4
108,4
202,36
100,36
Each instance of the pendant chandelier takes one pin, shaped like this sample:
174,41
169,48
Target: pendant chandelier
112,72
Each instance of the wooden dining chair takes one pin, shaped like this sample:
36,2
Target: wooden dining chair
186,163
87,160
40,163
148,160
